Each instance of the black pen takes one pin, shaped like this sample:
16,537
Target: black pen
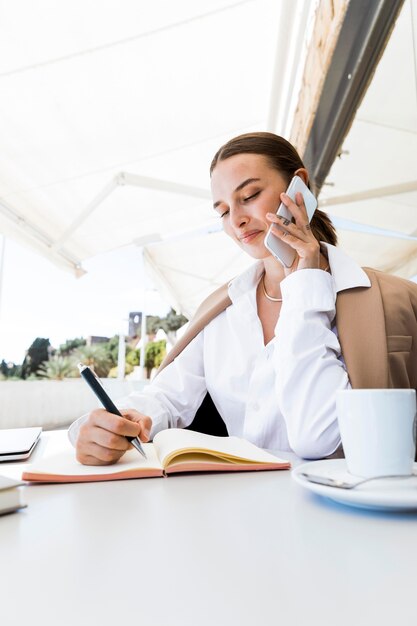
96,386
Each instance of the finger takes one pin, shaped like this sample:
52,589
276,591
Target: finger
284,234
280,220
277,219
114,423
294,229
143,421
94,454
145,424
287,237
107,439
281,224
297,208
303,221
89,460
304,249
89,434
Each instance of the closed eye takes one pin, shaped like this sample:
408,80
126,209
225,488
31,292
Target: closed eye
252,196
224,214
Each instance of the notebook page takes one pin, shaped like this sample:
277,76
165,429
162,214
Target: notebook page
169,441
59,460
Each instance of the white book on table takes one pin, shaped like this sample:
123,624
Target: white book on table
10,495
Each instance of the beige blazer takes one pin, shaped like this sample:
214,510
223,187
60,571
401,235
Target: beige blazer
377,328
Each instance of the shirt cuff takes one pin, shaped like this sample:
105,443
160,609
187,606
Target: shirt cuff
309,289
74,429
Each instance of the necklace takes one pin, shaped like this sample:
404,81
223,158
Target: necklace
266,294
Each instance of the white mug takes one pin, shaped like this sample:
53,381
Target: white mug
377,428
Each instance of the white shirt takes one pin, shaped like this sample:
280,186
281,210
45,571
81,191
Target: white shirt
280,396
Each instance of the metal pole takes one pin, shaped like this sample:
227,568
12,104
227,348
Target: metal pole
121,358
143,337
143,341
3,248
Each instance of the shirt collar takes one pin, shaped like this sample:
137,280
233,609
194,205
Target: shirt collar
346,273
246,281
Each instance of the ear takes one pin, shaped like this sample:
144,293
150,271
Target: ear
303,174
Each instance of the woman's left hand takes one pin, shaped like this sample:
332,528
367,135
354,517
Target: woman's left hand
298,235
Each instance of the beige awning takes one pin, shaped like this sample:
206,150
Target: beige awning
111,112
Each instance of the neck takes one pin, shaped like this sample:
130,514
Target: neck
275,273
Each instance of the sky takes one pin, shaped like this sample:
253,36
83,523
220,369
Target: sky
37,299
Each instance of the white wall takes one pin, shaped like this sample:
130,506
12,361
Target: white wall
53,404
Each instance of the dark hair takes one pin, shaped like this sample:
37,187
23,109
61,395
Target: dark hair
283,157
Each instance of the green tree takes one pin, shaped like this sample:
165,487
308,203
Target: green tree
9,370
16,372
173,321
37,354
96,356
133,357
70,345
113,373
13,371
57,368
112,349
170,324
155,352
153,324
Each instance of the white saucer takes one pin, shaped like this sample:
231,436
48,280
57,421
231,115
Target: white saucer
384,494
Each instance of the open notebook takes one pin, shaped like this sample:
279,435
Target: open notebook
172,451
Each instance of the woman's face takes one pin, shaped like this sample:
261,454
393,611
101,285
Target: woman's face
245,187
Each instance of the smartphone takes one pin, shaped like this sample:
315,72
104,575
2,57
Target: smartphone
281,250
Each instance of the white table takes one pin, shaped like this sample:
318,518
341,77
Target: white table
249,548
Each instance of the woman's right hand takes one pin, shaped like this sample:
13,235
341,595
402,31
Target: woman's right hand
102,437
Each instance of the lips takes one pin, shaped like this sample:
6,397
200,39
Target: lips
249,236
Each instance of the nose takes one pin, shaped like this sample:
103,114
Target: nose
238,219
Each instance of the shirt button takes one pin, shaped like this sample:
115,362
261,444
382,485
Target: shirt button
255,406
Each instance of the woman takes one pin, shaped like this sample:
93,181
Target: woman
270,351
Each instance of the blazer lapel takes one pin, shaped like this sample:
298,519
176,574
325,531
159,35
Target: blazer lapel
360,324
208,310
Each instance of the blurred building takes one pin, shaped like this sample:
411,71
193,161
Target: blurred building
94,339
135,321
